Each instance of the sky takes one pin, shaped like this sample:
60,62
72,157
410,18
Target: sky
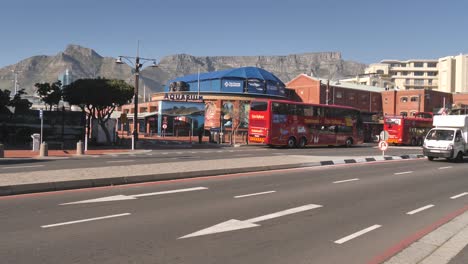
362,30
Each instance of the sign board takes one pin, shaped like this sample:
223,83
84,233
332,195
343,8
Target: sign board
164,126
383,145
384,135
41,114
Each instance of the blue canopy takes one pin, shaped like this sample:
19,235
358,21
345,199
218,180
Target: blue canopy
236,73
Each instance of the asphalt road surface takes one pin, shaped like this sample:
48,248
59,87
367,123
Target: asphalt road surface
334,214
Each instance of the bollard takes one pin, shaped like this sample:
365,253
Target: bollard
44,150
2,152
79,148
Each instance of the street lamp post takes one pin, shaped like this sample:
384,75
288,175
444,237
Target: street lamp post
137,66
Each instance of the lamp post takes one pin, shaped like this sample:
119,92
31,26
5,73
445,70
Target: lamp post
138,64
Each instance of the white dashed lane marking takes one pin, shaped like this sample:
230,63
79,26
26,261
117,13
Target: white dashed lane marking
85,220
459,195
253,194
357,234
420,209
350,180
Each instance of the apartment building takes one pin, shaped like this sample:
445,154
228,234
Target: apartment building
409,74
453,74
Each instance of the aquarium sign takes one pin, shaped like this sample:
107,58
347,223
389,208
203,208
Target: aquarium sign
183,97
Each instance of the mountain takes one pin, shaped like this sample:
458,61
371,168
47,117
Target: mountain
86,63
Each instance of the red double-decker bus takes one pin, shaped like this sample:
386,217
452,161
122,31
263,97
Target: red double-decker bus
404,130
294,124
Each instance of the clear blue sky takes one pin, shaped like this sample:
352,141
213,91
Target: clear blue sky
363,30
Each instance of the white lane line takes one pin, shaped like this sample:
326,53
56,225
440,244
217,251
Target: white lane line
443,168
420,209
459,195
253,194
404,172
119,161
85,220
243,155
21,167
355,179
360,233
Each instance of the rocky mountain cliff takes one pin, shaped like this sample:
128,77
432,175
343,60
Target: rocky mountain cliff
86,63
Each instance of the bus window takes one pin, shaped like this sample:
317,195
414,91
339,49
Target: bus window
279,108
308,110
259,106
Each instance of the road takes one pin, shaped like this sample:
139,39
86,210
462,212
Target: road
168,155
334,214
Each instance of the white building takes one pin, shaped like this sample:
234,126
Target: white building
453,74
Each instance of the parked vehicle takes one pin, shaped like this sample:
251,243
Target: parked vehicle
448,139
404,130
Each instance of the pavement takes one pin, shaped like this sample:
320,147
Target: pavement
447,244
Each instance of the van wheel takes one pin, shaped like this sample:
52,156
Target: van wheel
459,157
291,142
348,142
430,158
302,142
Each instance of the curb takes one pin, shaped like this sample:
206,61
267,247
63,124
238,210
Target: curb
92,183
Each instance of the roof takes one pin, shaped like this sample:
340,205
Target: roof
240,73
355,86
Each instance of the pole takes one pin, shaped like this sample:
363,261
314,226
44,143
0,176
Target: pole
326,94
42,125
135,112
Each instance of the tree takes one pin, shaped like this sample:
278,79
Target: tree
49,94
4,99
98,98
19,103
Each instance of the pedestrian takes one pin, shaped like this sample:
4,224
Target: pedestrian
201,130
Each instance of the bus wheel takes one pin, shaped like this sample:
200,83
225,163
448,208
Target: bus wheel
291,142
348,142
302,142
430,158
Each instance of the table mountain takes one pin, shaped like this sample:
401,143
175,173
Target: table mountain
86,63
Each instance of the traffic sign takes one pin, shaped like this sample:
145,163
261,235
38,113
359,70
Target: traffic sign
383,145
41,114
164,126
384,135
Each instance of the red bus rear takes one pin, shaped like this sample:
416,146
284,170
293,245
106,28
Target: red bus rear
293,124
408,130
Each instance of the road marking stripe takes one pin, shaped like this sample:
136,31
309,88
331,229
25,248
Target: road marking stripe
405,172
420,209
360,233
459,195
283,213
168,192
443,168
355,179
85,220
117,161
21,167
253,194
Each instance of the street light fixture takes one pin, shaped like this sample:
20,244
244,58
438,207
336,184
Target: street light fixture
138,64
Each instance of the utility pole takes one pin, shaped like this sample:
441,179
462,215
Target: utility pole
15,72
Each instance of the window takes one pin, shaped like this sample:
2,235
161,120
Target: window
351,96
407,81
339,94
413,113
403,65
418,82
403,99
404,113
259,106
414,98
432,74
419,73
429,82
380,72
418,64
432,64
404,73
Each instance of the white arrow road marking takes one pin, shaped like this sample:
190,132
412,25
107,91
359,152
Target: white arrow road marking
459,195
85,220
443,168
420,209
122,197
234,224
360,233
